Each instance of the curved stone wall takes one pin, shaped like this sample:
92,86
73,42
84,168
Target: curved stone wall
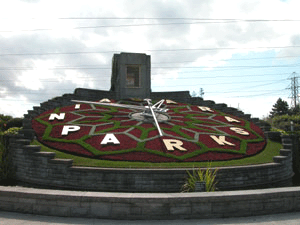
41,168
131,206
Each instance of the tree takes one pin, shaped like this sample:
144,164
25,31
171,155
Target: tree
295,110
281,107
194,94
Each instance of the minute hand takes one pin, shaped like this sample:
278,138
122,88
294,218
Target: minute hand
155,119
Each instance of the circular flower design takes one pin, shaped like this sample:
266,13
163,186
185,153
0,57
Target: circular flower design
191,133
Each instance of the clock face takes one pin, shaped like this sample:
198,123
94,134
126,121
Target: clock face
190,133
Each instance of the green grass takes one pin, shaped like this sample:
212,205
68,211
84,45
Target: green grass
266,156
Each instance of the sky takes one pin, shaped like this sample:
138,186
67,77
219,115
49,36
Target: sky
241,53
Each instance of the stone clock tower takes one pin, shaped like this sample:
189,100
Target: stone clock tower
131,75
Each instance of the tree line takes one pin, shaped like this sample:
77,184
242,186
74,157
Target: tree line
284,118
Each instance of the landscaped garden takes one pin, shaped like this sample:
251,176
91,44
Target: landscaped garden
205,135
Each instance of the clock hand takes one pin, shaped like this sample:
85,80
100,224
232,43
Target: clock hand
153,108
112,104
154,116
158,104
142,108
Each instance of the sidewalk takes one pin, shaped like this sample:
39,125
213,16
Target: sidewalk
9,218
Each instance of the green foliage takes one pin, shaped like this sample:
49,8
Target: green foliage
284,122
3,121
279,130
295,110
15,122
264,123
11,131
6,170
281,107
208,176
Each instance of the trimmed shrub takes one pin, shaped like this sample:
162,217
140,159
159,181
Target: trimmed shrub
15,122
284,122
3,121
6,170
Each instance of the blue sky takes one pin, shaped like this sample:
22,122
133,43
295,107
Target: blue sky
240,52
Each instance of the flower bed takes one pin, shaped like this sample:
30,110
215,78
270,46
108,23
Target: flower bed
196,134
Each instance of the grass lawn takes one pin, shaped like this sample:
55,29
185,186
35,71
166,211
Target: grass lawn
266,156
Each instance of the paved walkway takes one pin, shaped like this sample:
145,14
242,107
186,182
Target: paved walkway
9,218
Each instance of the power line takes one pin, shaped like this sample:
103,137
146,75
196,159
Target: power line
158,63
220,76
271,92
230,60
187,21
164,18
102,78
227,67
155,67
150,50
221,83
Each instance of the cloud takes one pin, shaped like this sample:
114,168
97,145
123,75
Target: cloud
39,72
45,55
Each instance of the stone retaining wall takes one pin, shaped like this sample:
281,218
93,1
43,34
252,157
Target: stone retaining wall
35,167
150,206
43,169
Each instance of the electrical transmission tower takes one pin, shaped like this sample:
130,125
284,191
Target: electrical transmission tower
294,90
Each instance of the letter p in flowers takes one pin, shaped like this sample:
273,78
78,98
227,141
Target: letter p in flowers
67,129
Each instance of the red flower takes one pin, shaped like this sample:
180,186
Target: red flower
191,126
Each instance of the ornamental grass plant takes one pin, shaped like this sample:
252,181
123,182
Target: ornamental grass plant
199,175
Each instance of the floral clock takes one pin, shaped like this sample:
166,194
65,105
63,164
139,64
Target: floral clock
133,130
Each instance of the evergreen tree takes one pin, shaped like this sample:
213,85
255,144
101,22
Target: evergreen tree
281,107
295,110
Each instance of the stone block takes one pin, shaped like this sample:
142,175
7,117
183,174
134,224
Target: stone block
201,208
285,152
31,148
79,212
68,203
51,210
7,206
23,207
180,209
100,209
27,200
45,155
28,133
120,210
279,159
155,209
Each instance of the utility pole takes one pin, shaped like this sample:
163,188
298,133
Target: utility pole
294,90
